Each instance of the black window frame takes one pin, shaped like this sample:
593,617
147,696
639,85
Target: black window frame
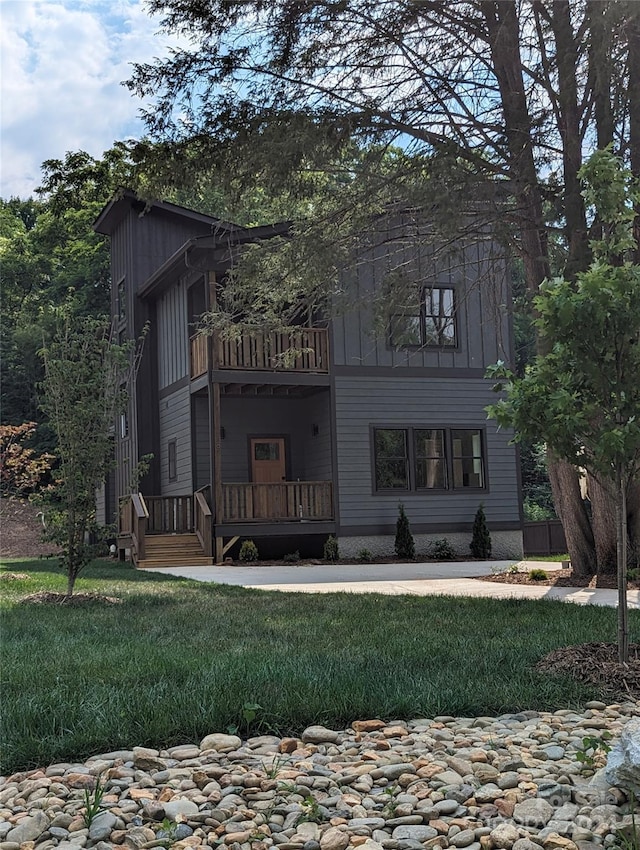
420,313
412,457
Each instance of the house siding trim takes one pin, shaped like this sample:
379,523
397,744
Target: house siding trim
408,372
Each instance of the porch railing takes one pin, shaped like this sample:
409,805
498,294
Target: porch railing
170,514
280,501
203,520
306,350
133,523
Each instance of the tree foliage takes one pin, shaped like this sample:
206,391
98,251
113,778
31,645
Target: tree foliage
583,396
22,468
84,388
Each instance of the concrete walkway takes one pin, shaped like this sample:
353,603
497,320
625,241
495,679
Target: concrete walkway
432,579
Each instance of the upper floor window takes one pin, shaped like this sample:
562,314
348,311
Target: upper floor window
429,459
439,316
122,302
430,323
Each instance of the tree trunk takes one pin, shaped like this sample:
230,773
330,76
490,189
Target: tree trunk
603,523
621,554
571,509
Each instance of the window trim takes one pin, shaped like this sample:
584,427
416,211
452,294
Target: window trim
411,458
420,312
172,460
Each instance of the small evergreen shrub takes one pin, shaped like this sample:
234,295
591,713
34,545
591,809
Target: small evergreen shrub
291,557
538,575
248,551
404,545
442,550
480,538
330,551
365,556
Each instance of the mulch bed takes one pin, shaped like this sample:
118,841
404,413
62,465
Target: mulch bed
561,578
78,599
597,664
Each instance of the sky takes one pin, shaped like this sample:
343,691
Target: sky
61,64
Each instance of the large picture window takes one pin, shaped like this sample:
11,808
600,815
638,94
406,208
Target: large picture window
429,459
431,323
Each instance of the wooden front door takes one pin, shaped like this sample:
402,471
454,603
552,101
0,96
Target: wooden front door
268,463
268,467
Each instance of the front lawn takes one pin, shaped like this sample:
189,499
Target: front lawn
177,659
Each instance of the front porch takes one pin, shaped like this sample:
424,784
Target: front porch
159,527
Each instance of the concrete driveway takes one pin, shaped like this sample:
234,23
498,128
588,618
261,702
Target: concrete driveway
446,578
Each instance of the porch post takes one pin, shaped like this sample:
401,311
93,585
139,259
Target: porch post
214,406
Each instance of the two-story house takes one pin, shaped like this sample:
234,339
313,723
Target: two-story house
286,438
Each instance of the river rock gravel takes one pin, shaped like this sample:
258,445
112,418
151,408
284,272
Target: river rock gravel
484,783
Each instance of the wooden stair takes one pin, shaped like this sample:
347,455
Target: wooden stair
173,550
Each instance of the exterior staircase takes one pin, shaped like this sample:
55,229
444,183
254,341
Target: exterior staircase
173,550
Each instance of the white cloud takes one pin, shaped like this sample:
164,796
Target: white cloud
63,62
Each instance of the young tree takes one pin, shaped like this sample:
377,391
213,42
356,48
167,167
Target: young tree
481,91
583,396
84,388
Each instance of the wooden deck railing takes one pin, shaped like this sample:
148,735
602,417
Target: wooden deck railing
286,500
306,350
203,520
133,520
170,514
199,348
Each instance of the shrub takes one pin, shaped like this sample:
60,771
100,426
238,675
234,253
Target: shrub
480,538
248,551
442,550
365,556
291,557
404,545
538,575
330,552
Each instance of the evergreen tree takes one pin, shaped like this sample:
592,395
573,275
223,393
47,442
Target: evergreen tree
404,545
480,537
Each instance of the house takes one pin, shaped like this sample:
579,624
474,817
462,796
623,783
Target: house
288,438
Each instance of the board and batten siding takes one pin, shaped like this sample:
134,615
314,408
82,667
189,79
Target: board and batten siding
477,273
172,336
429,402
175,424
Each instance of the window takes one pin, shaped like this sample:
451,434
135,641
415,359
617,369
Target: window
392,467
432,323
429,459
171,460
122,302
439,316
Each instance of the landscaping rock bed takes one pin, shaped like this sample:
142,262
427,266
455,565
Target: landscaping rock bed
514,781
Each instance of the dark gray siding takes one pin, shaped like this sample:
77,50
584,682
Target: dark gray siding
201,441
175,424
308,456
362,402
476,271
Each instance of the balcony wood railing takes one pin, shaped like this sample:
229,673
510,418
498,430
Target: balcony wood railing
306,350
280,501
199,348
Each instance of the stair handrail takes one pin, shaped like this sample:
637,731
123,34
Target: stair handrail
203,520
140,517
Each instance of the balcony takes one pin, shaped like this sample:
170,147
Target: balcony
284,501
304,350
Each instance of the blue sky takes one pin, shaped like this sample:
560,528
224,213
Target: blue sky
62,62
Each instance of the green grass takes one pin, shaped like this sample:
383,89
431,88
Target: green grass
179,659
557,559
